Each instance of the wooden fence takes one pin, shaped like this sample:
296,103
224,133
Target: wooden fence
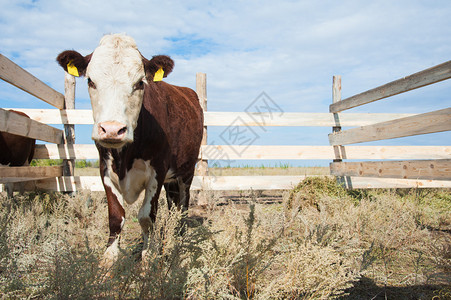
62,146
414,168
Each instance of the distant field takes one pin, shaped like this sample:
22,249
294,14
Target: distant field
242,171
87,171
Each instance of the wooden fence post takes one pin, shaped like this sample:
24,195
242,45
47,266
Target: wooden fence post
69,129
336,97
339,149
201,90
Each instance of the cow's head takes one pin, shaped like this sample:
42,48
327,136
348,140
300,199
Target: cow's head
117,76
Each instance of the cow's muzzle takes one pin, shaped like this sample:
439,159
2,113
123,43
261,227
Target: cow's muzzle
112,132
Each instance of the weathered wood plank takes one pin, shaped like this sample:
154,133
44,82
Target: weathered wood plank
201,90
18,174
23,126
394,152
235,152
77,183
411,82
69,129
221,152
15,75
84,117
246,182
56,116
413,169
336,97
392,183
436,121
73,151
93,183
297,119
70,184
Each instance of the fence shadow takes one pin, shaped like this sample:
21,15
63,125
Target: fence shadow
366,288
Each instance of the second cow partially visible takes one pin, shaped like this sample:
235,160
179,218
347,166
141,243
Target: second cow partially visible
15,151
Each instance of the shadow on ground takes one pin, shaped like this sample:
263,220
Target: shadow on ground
366,288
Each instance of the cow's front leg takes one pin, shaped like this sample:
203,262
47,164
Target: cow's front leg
148,210
116,219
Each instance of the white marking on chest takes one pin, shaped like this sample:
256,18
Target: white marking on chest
146,207
136,180
140,177
112,180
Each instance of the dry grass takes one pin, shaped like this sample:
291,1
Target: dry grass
321,242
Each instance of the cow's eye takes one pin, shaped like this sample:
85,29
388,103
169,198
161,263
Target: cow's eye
139,85
91,84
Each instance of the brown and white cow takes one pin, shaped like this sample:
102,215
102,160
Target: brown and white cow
148,133
15,151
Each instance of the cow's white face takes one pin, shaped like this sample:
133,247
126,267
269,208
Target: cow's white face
116,73
116,79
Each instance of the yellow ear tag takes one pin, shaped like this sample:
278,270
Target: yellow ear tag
71,69
158,75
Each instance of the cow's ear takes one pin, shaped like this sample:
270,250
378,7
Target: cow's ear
73,62
158,67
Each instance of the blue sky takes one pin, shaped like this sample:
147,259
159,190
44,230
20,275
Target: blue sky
288,49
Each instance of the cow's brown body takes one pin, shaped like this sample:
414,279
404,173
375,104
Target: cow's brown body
148,133
168,135
16,150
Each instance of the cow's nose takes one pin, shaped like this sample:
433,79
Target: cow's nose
112,131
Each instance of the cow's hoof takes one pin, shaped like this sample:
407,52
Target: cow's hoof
146,259
109,258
